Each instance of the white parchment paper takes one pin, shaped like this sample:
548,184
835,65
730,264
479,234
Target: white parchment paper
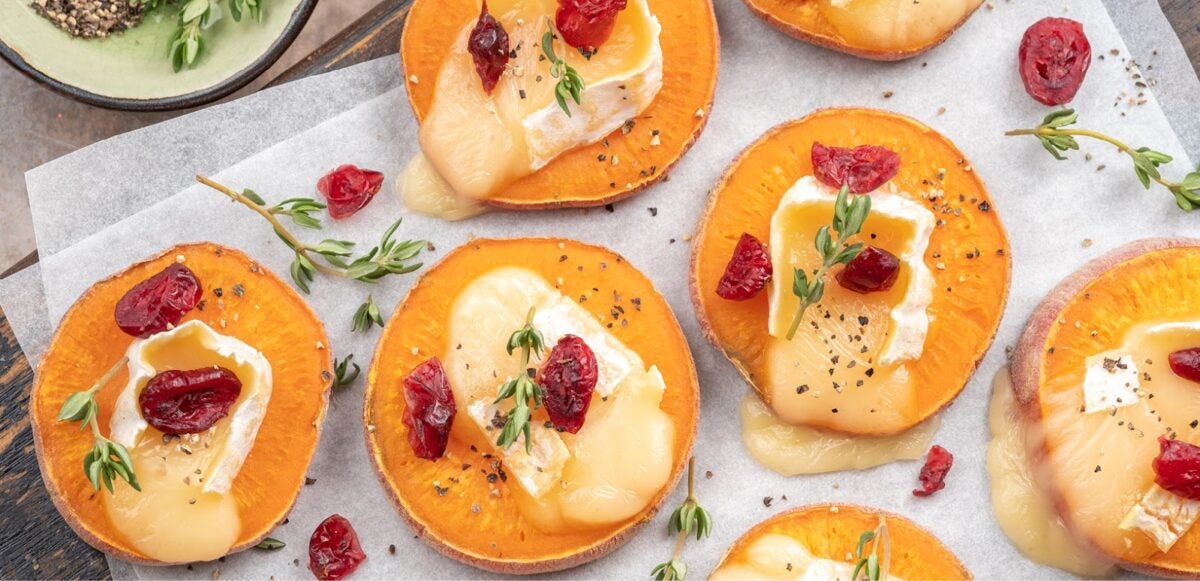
1049,208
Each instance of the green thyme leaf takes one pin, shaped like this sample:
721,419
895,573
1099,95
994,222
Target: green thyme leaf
343,375
366,316
270,544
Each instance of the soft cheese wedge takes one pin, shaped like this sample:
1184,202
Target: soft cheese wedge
572,497
874,364
202,495
819,542
1074,378
647,94
874,29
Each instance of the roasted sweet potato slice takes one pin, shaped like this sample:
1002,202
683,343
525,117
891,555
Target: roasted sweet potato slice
467,521
242,299
627,160
967,254
1097,465
885,30
832,531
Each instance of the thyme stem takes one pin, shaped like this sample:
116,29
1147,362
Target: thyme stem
1120,145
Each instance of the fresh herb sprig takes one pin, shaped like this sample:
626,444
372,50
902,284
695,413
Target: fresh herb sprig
522,388
1056,138
107,460
193,17
874,566
690,518
570,83
366,316
343,375
848,218
388,258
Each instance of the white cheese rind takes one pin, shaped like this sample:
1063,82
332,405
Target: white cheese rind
1110,382
538,470
127,424
605,104
1162,516
910,318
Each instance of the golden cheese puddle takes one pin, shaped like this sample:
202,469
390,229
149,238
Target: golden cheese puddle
1024,511
791,450
424,191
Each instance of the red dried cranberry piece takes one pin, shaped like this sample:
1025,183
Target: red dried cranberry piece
933,473
861,169
1053,59
1186,363
569,377
1177,467
747,272
348,189
159,302
333,549
428,409
187,402
586,24
873,270
488,45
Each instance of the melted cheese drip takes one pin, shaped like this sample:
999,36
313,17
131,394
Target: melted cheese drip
1123,442
424,191
480,143
894,24
1022,508
780,557
854,359
178,517
623,454
791,450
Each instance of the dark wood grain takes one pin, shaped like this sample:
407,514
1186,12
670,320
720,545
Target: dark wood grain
34,540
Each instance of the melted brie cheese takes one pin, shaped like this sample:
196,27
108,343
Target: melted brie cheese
621,457
781,557
480,143
185,511
790,450
790,244
894,25
1163,516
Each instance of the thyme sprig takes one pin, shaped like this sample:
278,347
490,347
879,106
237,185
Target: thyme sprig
193,18
874,566
107,460
389,257
570,83
690,518
366,316
848,218
1054,136
343,375
522,388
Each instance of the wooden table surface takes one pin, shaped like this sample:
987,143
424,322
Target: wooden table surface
34,540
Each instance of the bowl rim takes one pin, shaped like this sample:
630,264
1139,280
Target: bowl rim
237,80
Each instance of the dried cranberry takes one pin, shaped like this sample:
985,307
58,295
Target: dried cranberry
333,549
747,272
933,473
159,302
348,189
1186,363
569,377
586,24
861,169
1177,467
873,270
1053,59
488,45
187,402
428,409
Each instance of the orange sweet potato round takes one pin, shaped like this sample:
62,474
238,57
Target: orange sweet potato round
1088,313
585,176
470,524
831,531
968,254
88,342
848,27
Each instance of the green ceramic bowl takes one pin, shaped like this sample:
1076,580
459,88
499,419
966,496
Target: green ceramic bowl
131,70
